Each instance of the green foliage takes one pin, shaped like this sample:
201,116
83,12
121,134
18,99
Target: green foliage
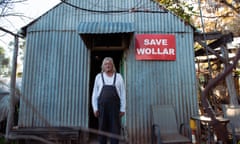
3,141
2,51
4,62
179,8
237,72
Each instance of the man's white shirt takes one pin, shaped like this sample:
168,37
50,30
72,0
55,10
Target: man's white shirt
119,84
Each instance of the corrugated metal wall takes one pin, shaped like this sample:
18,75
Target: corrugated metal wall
55,82
56,69
160,82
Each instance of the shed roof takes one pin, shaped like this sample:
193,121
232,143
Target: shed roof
116,27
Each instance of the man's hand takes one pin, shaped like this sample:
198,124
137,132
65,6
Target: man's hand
96,113
121,114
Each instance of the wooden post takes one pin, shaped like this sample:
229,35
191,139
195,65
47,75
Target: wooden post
12,88
229,80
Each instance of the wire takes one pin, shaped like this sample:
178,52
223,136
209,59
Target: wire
113,11
204,37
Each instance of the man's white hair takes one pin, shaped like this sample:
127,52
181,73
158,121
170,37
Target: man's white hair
108,59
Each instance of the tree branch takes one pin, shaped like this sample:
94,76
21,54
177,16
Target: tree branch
219,129
235,9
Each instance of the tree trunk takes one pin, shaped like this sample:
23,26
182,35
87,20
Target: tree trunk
13,88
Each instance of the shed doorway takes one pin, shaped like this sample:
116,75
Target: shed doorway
96,62
101,46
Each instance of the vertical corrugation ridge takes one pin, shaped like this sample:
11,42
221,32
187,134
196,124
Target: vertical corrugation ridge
78,85
44,58
54,76
40,82
72,76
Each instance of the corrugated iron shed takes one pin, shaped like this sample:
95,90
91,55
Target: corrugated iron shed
57,70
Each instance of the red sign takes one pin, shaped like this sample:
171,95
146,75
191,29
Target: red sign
155,47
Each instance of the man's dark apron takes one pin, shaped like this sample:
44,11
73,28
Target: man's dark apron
109,109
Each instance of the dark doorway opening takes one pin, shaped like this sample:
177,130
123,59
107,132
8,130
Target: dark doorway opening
96,62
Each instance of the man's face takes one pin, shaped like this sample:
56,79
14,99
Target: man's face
108,66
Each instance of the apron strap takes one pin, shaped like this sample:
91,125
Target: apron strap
115,75
103,79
